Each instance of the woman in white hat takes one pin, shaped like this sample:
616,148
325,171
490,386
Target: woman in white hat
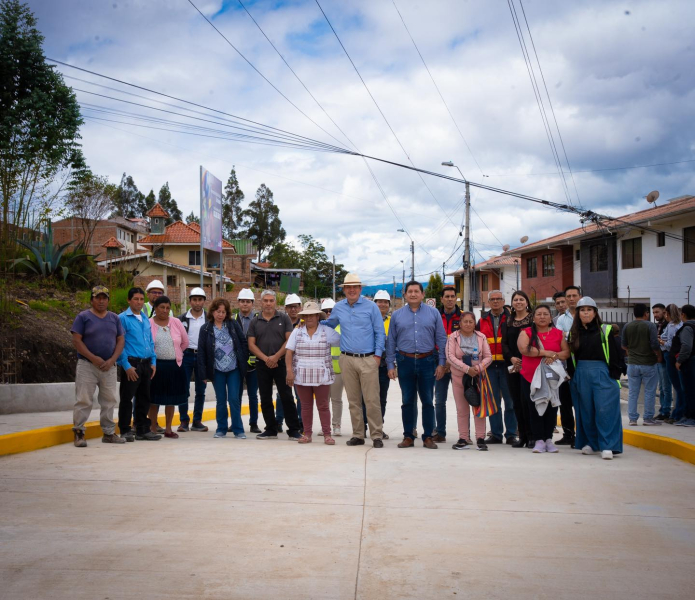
595,390
310,369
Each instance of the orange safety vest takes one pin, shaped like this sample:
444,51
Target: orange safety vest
495,342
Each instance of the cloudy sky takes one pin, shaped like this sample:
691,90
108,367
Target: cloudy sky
619,75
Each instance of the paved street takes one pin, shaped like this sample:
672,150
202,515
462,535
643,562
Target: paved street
205,518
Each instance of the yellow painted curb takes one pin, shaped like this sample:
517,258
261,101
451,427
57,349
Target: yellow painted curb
35,439
660,444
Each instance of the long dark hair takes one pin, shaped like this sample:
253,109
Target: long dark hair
573,337
524,295
533,342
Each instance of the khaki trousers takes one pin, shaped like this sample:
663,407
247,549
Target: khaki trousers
337,400
87,379
361,380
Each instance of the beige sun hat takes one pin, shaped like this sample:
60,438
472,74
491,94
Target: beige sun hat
351,279
312,308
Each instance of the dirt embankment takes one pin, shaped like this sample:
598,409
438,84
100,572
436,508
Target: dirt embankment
40,322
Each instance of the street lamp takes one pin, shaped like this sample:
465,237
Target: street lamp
412,254
467,241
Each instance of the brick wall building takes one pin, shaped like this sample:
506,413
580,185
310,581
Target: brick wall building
73,229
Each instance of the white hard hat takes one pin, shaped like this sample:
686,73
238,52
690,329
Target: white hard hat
587,301
246,294
197,292
293,299
382,295
327,303
155,285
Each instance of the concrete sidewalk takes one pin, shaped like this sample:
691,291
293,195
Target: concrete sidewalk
211,518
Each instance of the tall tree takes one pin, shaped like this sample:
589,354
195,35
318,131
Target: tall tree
169,204
192,218
39,120
146,203
90,199
261,220
231,207
128,199
434,288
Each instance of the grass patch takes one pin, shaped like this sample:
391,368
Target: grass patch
39,305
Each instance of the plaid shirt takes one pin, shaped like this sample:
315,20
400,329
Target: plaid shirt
311,361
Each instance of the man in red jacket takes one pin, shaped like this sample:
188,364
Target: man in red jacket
451,318
490,324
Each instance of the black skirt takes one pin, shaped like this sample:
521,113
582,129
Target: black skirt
169,386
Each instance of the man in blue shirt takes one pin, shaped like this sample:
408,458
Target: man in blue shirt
415,332
361,346
138,365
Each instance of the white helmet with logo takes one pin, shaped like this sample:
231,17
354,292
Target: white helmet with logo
382,295
293,299
155,285
197,292
327,303
246,294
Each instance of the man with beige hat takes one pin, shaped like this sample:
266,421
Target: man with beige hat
362,341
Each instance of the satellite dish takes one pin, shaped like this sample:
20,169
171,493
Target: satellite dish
506,247
652,196
524,239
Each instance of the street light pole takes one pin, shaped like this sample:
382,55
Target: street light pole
403,284
412,260
466,300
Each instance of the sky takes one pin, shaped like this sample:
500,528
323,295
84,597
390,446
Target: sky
619,77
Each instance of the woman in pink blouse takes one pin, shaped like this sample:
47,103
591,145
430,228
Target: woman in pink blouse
169,386
468,353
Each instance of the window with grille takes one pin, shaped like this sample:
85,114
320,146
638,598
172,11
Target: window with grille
548,265
598,258
532,267
632,253
194,258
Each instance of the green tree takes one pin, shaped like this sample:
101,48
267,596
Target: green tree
192,218
169,204
146,203
261,221
39,121
128,199
231,207
434,288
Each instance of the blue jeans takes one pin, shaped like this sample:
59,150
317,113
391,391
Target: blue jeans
441,390
497,372
227,392
636,374
665,388
189,366
416,378
676,380
252,392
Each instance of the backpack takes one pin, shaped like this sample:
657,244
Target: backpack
676,342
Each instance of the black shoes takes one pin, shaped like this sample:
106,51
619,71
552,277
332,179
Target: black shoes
254,429
355,442
378,444
460,445
519,443
491,439
483,446
512,440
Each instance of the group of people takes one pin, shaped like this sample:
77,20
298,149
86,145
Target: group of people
515,365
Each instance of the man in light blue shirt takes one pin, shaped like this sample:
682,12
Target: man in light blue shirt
362,340
138,364
415,333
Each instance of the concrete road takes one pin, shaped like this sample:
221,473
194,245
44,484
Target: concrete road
211,518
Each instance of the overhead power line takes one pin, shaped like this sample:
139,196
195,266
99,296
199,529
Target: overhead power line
666,164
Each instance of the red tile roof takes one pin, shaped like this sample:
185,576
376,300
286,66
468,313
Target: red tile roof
674,207
498,261
178,233
157,211
112,242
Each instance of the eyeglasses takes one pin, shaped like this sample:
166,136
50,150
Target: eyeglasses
155,293
328,311
495,299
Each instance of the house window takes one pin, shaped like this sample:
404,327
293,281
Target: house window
632,253
484,282
171,280
660,239
532,267
156,221
159,253
548,265
689,244
194,258
598,256
577,255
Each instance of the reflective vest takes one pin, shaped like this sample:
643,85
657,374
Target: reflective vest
604,344
335,355
252,358
494,341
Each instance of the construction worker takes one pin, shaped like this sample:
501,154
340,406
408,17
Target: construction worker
192,321
246,314
337,385
293,304
154,290
383,301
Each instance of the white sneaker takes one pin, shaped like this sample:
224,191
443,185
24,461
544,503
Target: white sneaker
607,455
336,432
587,450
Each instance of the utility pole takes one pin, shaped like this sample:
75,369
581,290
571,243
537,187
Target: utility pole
412,260
443,273
467,252
334,278
403,284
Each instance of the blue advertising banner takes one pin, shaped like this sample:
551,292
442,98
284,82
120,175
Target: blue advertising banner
210,211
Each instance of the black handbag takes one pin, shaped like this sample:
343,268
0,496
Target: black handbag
471,390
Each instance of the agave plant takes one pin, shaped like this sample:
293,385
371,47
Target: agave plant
48,259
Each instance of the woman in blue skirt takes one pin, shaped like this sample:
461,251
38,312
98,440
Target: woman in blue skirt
595,386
